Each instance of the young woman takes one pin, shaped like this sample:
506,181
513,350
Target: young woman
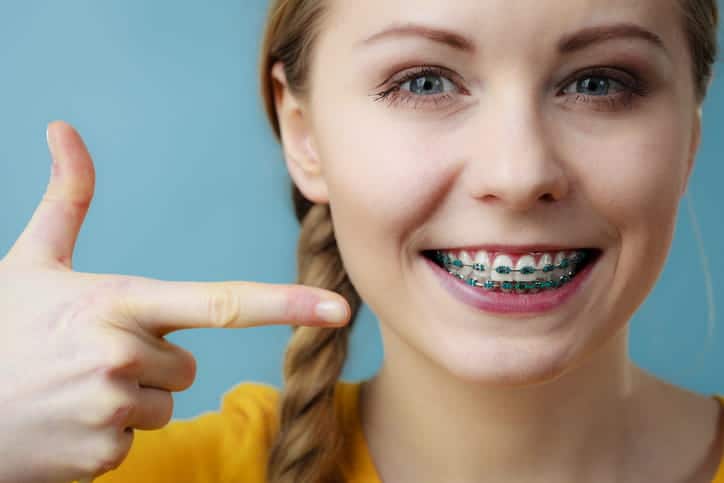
499,181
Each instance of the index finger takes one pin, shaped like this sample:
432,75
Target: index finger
161,307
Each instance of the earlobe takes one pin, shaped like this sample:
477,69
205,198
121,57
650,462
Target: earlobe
300,154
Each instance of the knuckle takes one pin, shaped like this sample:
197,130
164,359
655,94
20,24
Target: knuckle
100,298
111,452
119,357
224,308
121,304
108,288
120,415
115,410
118,304
76,190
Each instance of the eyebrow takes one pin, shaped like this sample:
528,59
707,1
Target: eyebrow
592,35
452,39
568,44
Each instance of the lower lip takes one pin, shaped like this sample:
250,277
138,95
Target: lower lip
510,303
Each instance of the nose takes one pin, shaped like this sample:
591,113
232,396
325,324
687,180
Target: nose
518,166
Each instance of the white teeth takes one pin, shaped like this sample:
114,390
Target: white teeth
467,260
484,259
500,261
545,260
524,261
470,260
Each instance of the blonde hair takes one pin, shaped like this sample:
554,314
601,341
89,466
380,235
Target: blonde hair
309,444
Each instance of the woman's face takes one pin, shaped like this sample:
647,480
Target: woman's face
510,145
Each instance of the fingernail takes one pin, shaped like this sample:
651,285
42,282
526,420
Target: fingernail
331,312
49,138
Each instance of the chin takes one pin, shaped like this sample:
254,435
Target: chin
505,362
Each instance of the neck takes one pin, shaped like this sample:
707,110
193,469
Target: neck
572,428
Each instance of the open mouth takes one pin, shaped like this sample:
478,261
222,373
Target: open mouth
521,273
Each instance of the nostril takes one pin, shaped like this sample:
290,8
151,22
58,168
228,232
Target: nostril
548,197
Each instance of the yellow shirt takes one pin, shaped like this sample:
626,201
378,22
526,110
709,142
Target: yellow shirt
231,445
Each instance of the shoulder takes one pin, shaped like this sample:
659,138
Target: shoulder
694,423
250,396
256,398
254,405
677,432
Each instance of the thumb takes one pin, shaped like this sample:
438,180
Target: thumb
50,236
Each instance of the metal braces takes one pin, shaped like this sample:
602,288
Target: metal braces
448,261
517,285
568,264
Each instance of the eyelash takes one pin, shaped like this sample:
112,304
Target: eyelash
632,86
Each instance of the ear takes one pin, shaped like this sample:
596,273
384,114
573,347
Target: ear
693,148
300,152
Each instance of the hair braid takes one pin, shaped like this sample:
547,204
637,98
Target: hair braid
310,441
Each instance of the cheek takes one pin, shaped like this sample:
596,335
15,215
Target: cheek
385,172
636,179
633,182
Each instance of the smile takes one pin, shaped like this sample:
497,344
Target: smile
519,273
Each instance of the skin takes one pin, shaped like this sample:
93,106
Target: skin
506,158
90,348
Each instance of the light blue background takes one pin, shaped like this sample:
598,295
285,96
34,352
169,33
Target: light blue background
191,186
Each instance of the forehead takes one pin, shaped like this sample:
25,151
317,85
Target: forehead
497,27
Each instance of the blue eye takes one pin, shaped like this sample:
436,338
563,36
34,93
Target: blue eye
597,85
600,88
427,84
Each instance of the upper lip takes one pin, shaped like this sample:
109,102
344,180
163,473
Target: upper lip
515,249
